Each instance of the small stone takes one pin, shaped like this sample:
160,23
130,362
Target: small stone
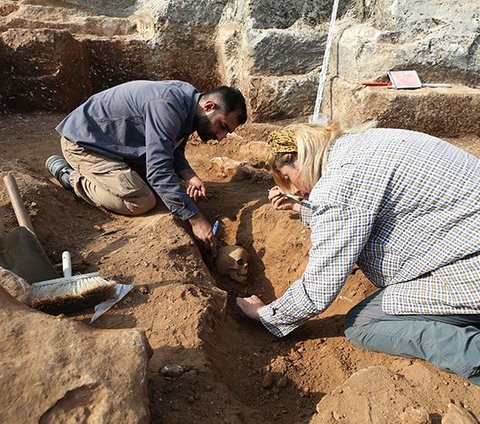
268,380
144,289
282,383
172,370
413,415
295,356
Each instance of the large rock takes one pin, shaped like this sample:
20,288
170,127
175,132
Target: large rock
83,21
273,51
281,98
438,39
368,396
269,49
53,370
47,70
458,415
439,111
186,12
15,286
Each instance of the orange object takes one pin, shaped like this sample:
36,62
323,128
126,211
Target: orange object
377,83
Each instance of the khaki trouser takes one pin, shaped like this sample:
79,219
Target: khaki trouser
106,182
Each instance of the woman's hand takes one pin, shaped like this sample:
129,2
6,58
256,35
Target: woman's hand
250,306
280,201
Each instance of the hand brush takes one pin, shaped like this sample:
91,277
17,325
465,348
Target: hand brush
70,293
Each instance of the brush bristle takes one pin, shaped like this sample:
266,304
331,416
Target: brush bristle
70,296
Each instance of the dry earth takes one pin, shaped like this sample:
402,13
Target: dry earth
209,363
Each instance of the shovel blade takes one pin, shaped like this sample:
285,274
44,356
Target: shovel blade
22,253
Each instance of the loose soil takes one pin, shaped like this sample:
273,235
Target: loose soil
232,369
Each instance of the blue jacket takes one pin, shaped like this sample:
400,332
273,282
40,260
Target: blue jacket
145,124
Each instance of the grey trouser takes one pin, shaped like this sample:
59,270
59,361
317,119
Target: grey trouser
451,342
106,182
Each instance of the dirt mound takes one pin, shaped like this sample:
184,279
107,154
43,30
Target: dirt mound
209,363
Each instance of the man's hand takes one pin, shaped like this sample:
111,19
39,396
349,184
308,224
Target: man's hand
250,306
196,188
203,231
280,201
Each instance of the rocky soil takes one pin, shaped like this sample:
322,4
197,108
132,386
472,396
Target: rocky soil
208,363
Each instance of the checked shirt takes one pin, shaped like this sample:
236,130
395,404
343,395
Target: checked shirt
404,206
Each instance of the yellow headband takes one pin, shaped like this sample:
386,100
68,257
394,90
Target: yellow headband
282,141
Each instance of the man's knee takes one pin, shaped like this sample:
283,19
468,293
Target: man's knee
140,205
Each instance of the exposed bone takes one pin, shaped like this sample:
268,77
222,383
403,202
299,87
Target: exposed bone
232,261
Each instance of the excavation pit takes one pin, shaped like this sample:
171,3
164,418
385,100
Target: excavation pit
209,363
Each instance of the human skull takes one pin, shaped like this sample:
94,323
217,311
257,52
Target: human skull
233,262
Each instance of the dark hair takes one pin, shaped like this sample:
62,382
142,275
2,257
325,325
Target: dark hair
231,100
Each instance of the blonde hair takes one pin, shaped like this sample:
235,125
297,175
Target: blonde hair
312,144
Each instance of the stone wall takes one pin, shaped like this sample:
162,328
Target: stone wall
271,50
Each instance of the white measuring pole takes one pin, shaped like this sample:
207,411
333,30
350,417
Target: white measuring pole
326,58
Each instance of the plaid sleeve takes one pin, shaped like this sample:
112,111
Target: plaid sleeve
306,212
339,233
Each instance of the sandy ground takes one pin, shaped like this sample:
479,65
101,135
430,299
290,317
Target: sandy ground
209,363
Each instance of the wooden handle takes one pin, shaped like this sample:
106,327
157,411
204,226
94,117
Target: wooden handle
17,203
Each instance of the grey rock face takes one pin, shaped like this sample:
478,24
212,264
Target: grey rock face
44,69
185,12
272,49
283,98
429,35
277,53
437,39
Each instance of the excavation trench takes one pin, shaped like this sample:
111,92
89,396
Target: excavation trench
233,367
278,380
209,363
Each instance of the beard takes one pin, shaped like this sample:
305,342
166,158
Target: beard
204,129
